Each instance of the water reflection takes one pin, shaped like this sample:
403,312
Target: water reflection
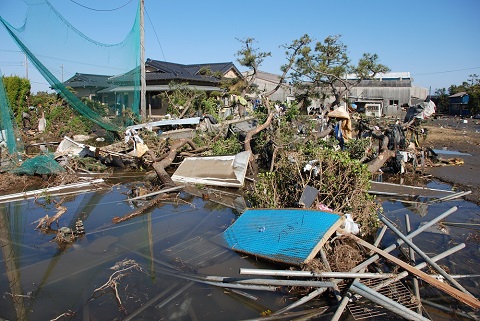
172,243
175,246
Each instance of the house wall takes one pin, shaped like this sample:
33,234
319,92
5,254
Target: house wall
230,74
85,92
281,94
390,95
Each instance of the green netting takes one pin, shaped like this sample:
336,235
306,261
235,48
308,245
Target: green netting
8,127
39,165
50,41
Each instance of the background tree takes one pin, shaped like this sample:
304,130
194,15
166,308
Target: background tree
181,98
251,58
322,70
442,100
18,92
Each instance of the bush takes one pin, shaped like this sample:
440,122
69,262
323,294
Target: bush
342,183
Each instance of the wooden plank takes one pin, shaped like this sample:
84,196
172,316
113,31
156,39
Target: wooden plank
459,295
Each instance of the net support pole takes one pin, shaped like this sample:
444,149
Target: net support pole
143,85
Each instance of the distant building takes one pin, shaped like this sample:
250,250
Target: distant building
266,82
391,90
383,95
458,104
87,85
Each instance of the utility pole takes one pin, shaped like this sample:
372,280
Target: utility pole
61,66
143,85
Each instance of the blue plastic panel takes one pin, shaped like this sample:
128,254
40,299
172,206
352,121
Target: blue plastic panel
281,235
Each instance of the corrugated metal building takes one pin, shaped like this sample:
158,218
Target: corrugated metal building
394,88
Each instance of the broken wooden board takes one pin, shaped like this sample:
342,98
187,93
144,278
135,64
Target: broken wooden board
291,236
227,171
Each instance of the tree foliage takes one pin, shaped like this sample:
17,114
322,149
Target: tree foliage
442,100
252,58
321,70
18,91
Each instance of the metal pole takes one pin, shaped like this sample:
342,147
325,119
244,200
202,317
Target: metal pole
143,85
387,303
400,242
400,276
309,274
416,289
380,236
343,303
424,256
301,301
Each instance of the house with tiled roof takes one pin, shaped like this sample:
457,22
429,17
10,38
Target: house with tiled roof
159,74
87,85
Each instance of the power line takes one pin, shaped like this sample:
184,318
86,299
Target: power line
155,32
447,71
93,9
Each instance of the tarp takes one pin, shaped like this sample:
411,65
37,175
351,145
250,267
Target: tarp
227,171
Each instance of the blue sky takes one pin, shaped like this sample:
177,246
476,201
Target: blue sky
437,41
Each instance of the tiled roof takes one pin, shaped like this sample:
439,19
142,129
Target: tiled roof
88,80
163,70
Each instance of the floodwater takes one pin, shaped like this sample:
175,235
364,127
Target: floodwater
162,257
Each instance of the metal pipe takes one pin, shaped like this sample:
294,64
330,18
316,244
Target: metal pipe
336,290
387,303
307,274
301,301
424,256
380,236
341,307
450,310
400,242
454,196
400,276
275,282
416,288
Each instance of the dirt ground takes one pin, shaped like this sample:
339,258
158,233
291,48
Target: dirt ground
462,135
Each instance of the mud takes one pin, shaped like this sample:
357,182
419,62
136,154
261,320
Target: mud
452,133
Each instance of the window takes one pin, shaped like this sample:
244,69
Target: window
393,102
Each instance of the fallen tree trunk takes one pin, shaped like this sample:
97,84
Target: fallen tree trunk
141,210
255,131
167,160
381,159
248,139
384,154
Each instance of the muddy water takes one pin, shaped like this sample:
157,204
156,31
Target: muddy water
172,247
